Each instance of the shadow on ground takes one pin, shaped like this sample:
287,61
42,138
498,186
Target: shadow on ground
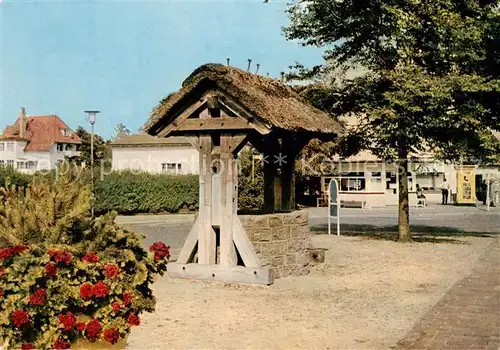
420,233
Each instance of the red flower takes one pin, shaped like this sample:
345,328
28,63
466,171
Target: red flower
27,346
111,270
61,257
100,290
111,335
60,343
6,253
39,297
133,320
90,257
1,292
93,330
51,270
81,326
127,298
116,306
86,291
68,321
160,250
2,272
20,318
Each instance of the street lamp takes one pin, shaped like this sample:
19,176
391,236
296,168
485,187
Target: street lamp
91,116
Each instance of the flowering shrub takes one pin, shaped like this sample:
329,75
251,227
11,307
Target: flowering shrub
52,296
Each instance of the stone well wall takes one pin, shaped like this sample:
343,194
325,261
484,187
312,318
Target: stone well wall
281,241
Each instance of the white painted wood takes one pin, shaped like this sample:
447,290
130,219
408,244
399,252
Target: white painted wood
239,274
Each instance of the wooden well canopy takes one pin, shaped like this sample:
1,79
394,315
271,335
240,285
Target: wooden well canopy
219,109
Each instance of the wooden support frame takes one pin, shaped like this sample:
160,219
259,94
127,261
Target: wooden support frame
200,257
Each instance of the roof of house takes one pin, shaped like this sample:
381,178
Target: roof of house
41,132
151,141
267,99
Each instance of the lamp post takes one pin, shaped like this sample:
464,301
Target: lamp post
91,116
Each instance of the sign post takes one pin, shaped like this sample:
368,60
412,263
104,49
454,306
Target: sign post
333,206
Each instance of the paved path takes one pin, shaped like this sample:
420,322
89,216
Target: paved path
468,316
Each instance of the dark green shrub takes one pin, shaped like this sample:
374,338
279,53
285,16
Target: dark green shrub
12,176
251,186
129,193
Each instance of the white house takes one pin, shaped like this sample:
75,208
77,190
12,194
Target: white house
37,143
141,152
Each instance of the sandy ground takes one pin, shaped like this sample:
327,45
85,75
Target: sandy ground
366,295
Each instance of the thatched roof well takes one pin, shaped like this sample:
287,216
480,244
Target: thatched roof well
269,100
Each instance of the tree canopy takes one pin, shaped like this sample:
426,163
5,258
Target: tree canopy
431,73
100,150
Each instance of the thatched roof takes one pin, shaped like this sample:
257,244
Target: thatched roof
150,141
269,100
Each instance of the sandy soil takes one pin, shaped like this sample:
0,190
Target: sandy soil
367,294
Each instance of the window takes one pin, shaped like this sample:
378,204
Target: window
20,165
10,146
2,146
66,132
2,163
32,165
353,182
60,147
171,168
10,163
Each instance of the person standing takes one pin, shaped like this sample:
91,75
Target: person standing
445,189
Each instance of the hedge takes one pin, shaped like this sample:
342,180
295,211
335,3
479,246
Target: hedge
129,193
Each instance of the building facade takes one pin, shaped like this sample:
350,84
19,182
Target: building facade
37,143
140,152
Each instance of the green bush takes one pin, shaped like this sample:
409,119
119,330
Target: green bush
129,193
250,186
12,176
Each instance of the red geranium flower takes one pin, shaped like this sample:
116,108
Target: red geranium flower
6,253
2,272
160,250
39,297
111,270
111,335
90,257
60,343
1,292
93,330
116,306
86,291
27,346
68,321
81,326
61,257
20,318
51,270
133,320
127,298
100,290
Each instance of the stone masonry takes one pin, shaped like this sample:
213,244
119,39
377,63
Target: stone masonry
281,241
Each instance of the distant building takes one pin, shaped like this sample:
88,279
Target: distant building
141,152
37,143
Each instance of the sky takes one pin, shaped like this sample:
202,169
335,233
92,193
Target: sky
123,57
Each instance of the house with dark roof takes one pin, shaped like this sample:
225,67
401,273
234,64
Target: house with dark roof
35,143
142,152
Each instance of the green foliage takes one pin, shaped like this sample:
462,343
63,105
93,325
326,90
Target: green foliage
101,152
47,211
9,175
128,193
250,187
431,72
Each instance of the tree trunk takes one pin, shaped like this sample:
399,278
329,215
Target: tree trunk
403,207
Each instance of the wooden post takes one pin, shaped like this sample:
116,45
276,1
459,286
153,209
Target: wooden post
288,183
227,251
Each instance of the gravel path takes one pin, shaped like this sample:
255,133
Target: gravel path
368,294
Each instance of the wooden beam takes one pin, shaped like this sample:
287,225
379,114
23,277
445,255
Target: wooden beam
188,250
183,116
194,141
243,245
212,124
237,110
237,143
207,237
239,274
227,250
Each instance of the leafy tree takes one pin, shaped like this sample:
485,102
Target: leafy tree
120,131
101,152
431,72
